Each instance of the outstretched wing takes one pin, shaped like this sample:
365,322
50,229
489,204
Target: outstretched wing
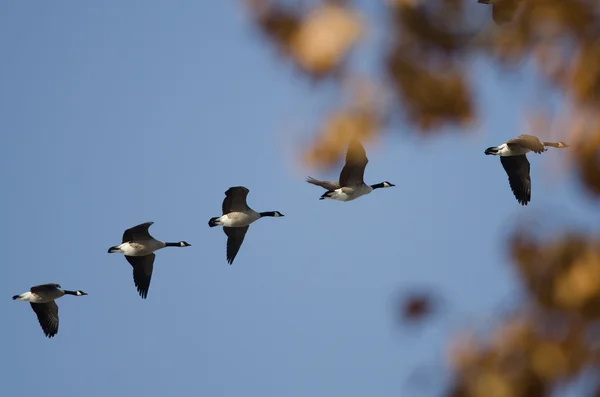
47,314
329,185
235,238
235,199
528,141
142,272
356,160
139,232
517,169
44,287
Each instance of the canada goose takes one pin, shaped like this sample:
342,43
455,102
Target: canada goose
138,247
516,165
236,218
503,11
351,184
41,298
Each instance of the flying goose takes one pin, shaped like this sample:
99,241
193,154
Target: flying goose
351,184
41,298
516,165
138,247
236,218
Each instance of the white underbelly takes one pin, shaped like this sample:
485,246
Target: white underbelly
49,296
238,219
349,194
140,249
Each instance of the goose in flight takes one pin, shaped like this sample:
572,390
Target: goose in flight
515,163
138,247
42,299
351,184
236,218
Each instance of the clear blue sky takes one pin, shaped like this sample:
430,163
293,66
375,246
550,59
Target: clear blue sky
116,113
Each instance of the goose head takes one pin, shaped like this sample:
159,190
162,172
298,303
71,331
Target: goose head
382,185
114,249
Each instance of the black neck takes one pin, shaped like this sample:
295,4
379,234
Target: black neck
268,213
172,245
553,144
67,292
377,185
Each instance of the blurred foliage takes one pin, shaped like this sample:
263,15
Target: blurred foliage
553,337
425,80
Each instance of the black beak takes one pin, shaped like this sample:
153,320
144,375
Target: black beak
491,150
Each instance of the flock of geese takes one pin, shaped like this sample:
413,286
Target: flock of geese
138,246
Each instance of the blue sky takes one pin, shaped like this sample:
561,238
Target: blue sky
118,113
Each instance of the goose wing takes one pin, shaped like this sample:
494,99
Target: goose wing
137,233
235,238
142,272
517,169
44,288
47,314
235,199
528,141
356,160
329,185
